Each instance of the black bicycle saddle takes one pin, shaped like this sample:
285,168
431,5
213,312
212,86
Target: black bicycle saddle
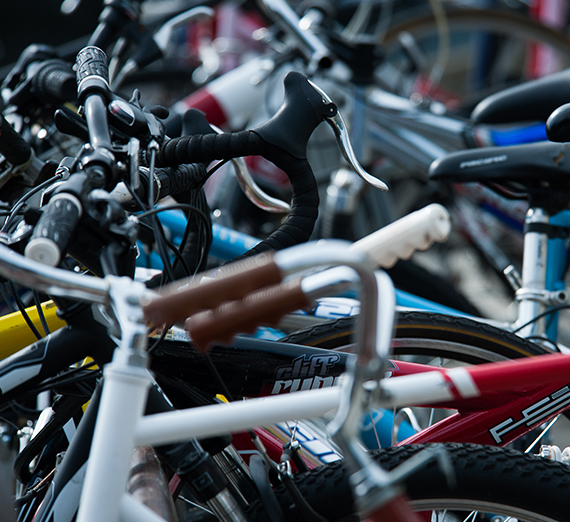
528,165
531,101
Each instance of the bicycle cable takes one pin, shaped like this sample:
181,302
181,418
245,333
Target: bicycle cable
40,311
22,310
541,315
156,225
21,202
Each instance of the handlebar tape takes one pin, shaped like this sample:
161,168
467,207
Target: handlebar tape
263,308
54,82
298,226
281,140
13,147
176,180
233,282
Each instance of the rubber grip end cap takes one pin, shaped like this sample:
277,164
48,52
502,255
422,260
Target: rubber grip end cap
43,250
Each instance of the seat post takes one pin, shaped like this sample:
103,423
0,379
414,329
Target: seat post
531,295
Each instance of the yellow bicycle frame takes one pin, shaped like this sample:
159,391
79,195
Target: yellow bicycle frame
15,333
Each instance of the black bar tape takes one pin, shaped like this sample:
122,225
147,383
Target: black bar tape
175,180
300,223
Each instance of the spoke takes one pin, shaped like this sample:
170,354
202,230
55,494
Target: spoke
542,433
374,428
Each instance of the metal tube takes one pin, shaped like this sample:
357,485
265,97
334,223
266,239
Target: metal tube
122,404
533,276
148,484
53,281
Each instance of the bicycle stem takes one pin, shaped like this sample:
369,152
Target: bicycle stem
372,486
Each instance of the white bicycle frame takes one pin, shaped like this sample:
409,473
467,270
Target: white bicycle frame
121,425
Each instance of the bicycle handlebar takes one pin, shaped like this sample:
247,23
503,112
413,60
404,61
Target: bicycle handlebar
54,81
57,223
53,281
91,72
242,314
233,282
93,90
53,231
400,239
283,141
263,308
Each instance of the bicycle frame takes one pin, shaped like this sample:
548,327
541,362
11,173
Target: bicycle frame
472,390
468,389
16,333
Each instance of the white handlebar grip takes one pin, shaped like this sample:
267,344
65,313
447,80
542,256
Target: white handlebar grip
399,240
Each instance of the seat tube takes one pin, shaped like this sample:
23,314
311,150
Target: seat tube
533,272
122,404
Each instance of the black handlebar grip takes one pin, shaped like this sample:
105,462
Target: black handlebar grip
54,82
92,72
558,124
12,146
54,229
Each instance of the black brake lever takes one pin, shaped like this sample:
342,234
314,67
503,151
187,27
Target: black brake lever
70,123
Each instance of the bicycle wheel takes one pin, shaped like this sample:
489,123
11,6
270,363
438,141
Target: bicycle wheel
486,49
490,481
428,334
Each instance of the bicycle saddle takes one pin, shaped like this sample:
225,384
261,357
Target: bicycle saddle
529,165
558,124
530,101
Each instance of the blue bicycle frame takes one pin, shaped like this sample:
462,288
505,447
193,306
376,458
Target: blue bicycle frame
228,244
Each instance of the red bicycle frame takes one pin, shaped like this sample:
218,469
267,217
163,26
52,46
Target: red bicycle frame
496,403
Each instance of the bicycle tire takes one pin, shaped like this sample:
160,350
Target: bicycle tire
503,23
509,22
490,480
428,334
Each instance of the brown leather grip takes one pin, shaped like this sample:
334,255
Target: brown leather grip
396,509
263,308
233,282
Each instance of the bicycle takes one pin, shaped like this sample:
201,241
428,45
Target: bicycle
470,382
84,335
47,370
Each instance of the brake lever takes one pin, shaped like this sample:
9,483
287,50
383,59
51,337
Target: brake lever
336,122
